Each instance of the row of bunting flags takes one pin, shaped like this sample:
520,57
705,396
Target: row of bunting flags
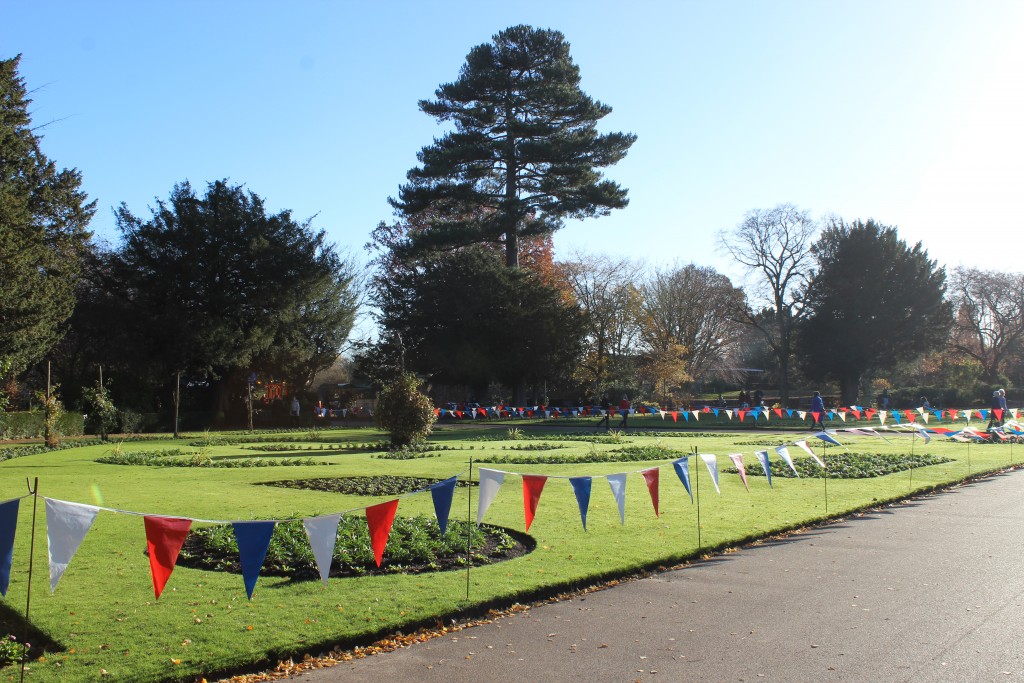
67,523
857,412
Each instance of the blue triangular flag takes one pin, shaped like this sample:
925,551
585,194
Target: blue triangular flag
682,468
789,412
581,487
253,540
442,493
686,415
8,524
825,436
715,411
762,457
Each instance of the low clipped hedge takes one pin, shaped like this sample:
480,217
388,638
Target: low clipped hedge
29,424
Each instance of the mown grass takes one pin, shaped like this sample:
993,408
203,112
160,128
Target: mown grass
103,615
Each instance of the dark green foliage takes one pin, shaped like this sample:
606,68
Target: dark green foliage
216,287
29,424
179,458
415,545
523,153
43,236
847,465
628,454
466,318
874,303
404,412
363,486
102,415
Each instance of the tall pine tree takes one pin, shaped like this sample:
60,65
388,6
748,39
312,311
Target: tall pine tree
43,220
524,152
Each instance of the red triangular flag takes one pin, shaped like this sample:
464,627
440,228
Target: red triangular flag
742,414
533,484
380,518
856,413
675,416
651,477
778,411
164,538
910,415
952,414
816,416
870,412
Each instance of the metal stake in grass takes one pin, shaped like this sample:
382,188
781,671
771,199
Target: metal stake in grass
469,524
824,451
696,469
913,440
28,591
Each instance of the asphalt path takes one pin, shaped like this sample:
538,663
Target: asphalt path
928,590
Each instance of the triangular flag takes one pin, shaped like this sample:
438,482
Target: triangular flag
682,468
825,436
8,525
842,416
442,493
686,416
715,411
924,435
490,482
380,517
696,415
762,457
737,459
856,413
741,414
999,413
712,464
533,485
784,454
164,538
764,411
729,414
1013,411
881,416
617,482
651,477
803,444
909,414
66,526
253,540
323,534
802,414
675,416
581,488
778,412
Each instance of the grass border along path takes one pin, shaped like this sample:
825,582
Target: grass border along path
105,624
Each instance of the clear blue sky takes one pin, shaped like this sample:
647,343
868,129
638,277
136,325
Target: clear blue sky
908,112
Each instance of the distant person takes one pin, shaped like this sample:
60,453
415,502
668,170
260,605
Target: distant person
883,401
624,406
295,406
817,411
1002,405
995,405
925,404
606,408
758,399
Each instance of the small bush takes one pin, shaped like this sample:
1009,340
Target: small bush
404,412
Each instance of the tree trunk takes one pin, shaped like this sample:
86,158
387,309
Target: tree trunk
849,383
783,380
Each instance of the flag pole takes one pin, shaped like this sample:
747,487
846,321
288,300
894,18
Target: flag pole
696,469
469,525
913,440
824,450
28,591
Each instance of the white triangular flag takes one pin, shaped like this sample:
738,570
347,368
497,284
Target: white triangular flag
322,532
842,416
784,454
881,416
737,460
712,464
802,414
696,415
66,526
925,435
618,484
803,444
729,413
490,482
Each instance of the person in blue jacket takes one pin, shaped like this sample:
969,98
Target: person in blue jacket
817,411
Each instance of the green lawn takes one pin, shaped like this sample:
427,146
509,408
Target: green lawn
103,615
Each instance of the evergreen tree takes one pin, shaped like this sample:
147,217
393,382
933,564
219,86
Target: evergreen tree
874,303
216,287
43,220
523,153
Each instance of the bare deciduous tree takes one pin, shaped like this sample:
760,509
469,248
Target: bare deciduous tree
773,245
988,318
694,310
606,290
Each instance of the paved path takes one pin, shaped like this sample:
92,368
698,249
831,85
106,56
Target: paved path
931,590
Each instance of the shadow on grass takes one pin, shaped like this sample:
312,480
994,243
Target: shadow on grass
13,622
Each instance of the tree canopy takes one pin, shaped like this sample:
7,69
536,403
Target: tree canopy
873,303
216,287
44,217
524,152
465,318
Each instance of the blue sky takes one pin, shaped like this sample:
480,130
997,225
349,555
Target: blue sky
908,112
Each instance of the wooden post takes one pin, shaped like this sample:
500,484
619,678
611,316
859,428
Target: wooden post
46,408
469,525
28,589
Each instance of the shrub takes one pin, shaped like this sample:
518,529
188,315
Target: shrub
404,412
101,414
